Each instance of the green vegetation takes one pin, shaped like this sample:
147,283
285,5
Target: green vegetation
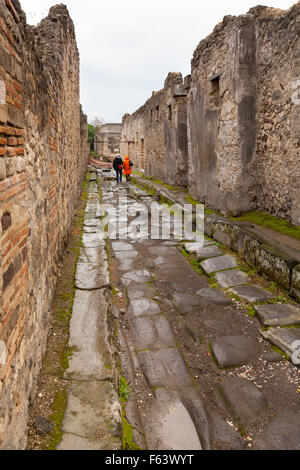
128,443
59,406
91,136
194,263
271,222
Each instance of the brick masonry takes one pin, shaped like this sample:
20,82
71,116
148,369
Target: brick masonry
43,157
230,131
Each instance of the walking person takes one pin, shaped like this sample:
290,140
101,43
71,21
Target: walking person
127,168
118,167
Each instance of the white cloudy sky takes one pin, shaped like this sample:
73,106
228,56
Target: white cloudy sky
128,47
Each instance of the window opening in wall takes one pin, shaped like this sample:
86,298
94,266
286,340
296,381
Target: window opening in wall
151,115
157,113
170,112
215,95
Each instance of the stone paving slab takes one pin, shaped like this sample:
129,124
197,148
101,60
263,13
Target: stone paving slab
197,246
232,278
89,229
242,399
93,240
93,415
164,368
252,293
140,291
126,264
91,222
126,254
278,314
209,252
89,337
152,333
234,351
282,433
141,307
122,246
168,424
284,338
187,303
95,256
214,296
162,250
89,276
140,276
220,263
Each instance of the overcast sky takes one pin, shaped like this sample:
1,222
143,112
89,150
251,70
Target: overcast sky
128,47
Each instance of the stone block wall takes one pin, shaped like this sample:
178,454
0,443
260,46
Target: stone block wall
234,139
278,112
43,157
155,136
242,123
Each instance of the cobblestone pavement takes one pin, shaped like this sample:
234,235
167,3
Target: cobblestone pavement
201,372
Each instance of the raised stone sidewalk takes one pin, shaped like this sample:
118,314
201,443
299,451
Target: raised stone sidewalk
92,419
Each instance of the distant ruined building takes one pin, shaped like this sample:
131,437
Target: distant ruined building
43,159
230,131
107,140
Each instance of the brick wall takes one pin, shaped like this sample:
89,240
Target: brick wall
43,156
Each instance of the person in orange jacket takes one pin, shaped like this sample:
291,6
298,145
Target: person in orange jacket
127,168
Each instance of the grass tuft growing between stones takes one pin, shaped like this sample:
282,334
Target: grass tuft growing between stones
124,390
193,262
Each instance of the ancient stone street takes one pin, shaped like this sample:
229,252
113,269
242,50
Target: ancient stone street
201,373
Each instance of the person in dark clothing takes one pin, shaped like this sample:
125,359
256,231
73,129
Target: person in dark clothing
118,167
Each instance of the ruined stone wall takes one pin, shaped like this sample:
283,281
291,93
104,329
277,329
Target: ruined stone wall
240,121
43,156
155,136
278,112
242,124
107,140
221,117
